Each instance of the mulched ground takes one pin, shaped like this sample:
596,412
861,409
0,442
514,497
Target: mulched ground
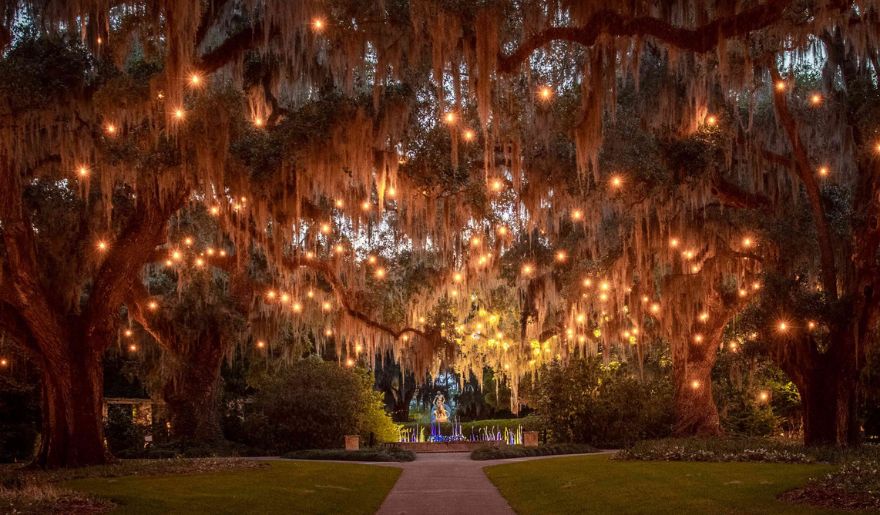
828,496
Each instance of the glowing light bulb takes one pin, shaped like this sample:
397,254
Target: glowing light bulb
450,118
604,286
577,215
475,241
698,338
188,241
258,122
339,249
616,181
318,24
128,332
102,245
763,396
152,305
704,316
210,251
271,294
711,120
195,80
561,256
365,205
380,273
811,325
326,306
328,332
528,269
110,129
695,384
545,93
297,307
824,171
82,171
215,210
587,282
325,228
469,135
816,99
200,262
655,308
780,85
497,185
349,362
502,230
743,292
457,277
673,242
4,362
782,326
132,348
392,192
261,344
285,298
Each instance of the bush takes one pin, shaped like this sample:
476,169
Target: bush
855,486
587,401
718,449
313,404
374,454
518,451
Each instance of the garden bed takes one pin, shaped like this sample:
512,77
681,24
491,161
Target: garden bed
385,454
519,451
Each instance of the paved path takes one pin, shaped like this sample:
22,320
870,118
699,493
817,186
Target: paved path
444,483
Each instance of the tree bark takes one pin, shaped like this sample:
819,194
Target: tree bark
829,402
191,393
695,410
73,388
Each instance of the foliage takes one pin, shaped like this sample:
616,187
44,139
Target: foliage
855,486
390,453
501,452
717,449
19,416
313,404
568,484
121,432
605,405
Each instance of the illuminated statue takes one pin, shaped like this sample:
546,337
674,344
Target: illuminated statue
440,412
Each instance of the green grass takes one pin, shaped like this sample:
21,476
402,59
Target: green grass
283,487
596,484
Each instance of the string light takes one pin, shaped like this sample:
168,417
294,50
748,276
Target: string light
297,307
188,241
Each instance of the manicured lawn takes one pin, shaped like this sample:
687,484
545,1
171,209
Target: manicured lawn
596,484
283,487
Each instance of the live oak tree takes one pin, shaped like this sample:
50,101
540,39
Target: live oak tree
466,128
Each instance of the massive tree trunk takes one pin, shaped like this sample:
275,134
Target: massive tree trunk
191,393
73,388
695,410
829,402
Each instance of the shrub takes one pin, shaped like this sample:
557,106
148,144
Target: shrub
718,449
313,404
374,454
517,451
604,405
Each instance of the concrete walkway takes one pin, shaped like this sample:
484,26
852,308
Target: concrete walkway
444,483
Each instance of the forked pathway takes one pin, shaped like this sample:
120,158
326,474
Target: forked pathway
444,483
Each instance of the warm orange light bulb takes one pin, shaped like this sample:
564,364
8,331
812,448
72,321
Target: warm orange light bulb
469,135
545,93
